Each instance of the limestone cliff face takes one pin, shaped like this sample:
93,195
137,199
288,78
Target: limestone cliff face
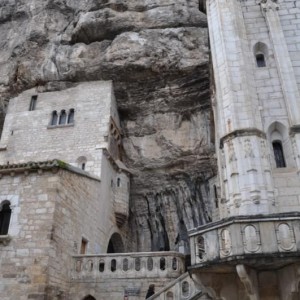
156,52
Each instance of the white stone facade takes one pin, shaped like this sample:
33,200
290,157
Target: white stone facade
256,106
256,57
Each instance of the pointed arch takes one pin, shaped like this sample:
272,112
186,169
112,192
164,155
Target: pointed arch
261,54
89,297
62,117
280,144
5,215
115,244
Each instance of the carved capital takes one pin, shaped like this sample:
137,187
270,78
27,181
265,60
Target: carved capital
267,5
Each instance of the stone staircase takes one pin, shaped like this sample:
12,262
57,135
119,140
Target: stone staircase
182,288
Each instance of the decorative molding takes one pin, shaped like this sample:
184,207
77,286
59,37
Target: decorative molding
39,167
251,245
225,242
232,156
248,148
269,5
264,152
241,132
245,219
285,238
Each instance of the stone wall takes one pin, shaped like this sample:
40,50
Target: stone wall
51,214
29,135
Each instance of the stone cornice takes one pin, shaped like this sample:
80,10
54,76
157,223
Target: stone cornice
39,167
241,132
244,219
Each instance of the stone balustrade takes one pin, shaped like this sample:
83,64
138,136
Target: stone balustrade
183,287
241,238
127,265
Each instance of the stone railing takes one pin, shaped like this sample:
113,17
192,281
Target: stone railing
127,265
277,235
181,288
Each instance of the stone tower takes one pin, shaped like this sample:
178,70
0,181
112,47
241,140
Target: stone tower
255,240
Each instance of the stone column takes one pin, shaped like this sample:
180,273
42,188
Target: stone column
237,114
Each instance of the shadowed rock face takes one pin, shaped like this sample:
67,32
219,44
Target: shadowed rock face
156,52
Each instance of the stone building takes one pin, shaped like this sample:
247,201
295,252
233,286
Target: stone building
64,192
251,251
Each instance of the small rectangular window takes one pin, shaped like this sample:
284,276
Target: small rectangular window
260,61
83,247
33,101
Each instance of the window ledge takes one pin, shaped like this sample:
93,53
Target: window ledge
60,126
284,170
5,239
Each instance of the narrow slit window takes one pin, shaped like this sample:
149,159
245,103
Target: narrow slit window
83,166
5,215
33,101
62,117
260,60
54,118
83,247
278,154
216,196
71,116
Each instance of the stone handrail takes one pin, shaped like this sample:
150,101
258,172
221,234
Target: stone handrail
127,265
181,288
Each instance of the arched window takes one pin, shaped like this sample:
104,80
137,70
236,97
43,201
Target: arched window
185,289
62,117
33,101
281,148
261,54
170,296
5,214
260,60
118,182
81,162
278,154
71,116
54,118
89,297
